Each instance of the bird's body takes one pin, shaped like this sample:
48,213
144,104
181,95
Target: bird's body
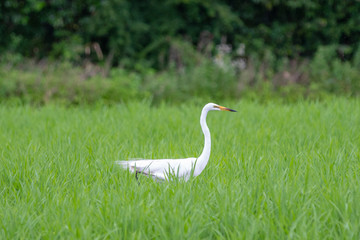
161,168
180,168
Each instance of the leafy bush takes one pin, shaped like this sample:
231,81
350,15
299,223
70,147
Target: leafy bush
205,80
260,77
138,31
334,75
65,83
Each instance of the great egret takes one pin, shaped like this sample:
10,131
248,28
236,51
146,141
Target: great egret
180,168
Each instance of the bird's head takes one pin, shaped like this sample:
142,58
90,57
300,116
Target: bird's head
216,107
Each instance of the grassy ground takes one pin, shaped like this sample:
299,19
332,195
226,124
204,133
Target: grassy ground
276,172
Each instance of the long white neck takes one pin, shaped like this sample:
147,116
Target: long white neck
205,155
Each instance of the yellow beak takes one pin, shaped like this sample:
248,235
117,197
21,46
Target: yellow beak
226,109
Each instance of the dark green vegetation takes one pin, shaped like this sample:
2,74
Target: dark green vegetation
117,50
276,172
133,31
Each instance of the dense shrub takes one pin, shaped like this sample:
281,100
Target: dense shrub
41,84
261,79
127,32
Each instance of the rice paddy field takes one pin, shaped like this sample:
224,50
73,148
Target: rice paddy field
276,171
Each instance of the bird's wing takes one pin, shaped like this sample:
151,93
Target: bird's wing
160,168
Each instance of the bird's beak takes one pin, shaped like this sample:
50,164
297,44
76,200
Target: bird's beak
225,109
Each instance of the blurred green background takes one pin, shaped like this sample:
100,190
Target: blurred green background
109,51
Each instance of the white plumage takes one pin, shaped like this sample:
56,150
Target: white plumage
181,168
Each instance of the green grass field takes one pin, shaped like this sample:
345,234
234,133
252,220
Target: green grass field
275,172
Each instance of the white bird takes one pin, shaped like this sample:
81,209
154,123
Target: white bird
181,168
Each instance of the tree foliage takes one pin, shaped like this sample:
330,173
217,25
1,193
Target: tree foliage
129,32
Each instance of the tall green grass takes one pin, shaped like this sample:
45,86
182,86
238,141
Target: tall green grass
275,172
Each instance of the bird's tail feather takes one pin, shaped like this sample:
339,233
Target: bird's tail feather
134,165
124,164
